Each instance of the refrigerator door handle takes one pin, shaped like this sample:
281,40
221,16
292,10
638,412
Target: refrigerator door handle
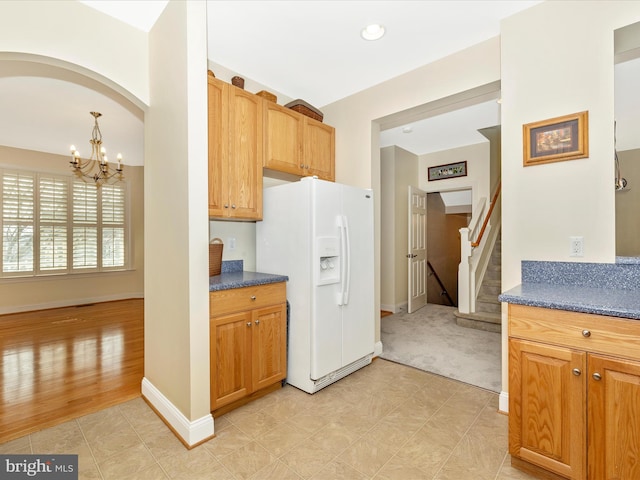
345,261
346,253
343,295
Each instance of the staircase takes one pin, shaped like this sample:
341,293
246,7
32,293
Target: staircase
488,314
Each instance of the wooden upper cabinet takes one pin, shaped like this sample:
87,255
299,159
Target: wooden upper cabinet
297,144
283,139
320,149
235,152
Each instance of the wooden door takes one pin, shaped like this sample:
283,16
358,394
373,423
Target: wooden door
614,418
417,256
319,151
269,346
218,109
230,346
283,139
547,407
245,155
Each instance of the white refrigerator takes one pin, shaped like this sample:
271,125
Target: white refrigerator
320,234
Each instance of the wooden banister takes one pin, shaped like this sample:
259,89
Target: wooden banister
486,219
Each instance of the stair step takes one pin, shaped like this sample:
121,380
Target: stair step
480,321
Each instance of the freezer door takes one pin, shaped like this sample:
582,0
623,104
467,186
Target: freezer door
326,315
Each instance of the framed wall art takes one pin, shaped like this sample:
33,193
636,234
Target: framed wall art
450,170
556,139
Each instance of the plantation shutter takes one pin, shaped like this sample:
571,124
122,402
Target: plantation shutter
113,225
85,225
17,222
53,227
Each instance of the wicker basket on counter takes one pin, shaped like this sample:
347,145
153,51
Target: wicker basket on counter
215,257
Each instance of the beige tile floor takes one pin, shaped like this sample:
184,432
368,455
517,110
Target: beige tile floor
384,422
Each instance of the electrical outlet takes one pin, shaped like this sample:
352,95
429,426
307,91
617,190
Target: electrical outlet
231,242
576,246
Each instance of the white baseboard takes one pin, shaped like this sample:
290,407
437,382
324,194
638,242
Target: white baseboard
377,349
191,432
503,402
68,303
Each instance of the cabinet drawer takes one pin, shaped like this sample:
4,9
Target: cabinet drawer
588,332
246,298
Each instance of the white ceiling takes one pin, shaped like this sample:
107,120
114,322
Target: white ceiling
304,49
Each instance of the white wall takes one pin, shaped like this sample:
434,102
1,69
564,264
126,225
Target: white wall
356,117
477,178
557,59
176,269
398,169
72,35
35,293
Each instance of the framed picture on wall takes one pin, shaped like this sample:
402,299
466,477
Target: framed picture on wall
556,139
450,170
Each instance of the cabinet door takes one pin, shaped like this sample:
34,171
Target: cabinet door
614,418
245,155
547,412
283,139
230,346
269,346
319,149
218,108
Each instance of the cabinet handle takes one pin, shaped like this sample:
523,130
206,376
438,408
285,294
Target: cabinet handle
577,372
586,333
226,205
597,376
257,322
301,165
253,297
233,206
248,324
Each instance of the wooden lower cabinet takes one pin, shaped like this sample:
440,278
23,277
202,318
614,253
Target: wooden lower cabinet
248,346
574,402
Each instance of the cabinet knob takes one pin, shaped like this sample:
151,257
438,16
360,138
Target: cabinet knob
233,205
253,297
226,205
577,372
302,165
586,333
248,324
597,376
257,322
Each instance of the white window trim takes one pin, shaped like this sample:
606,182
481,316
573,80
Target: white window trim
36,273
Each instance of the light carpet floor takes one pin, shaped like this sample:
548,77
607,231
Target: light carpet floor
430,340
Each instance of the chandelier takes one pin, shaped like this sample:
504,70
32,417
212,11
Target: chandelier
97,167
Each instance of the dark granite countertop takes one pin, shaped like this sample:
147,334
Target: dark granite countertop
602,289
233,276
601,301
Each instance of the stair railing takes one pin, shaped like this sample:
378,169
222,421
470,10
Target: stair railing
476,242
444,290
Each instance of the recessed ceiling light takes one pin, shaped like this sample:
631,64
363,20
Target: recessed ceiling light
372,32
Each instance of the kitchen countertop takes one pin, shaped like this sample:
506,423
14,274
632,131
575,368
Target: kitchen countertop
602,289
234,276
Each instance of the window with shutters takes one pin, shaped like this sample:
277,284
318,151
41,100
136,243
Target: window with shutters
54,224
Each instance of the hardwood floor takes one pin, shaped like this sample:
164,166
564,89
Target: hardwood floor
67,362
